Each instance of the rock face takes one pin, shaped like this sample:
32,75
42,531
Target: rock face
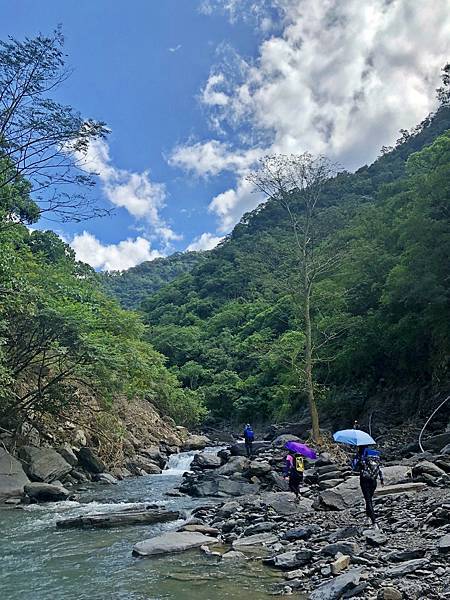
46,492
12,476
174,541
44,464
90,461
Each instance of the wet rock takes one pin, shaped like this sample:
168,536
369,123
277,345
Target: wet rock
105,478
262,527
407,567
233,555
444,544
129,517
140,463
334,589
389,593
46,492
43,464
340,564
12,476
90,461
345,547
173,541
199,528
260,539
196,442
290,560
79,476
206,460
375,537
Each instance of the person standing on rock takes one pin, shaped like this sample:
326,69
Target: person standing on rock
296,468
367,464
249,437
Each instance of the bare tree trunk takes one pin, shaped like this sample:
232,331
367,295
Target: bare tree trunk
309,368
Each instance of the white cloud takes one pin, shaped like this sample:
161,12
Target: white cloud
135,192
205,241
111,257
175,48
230,205
339,78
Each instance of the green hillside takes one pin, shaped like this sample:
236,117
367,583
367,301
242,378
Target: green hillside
233,330
132,286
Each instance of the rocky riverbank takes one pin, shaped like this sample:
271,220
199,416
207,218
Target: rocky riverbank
321,545
44,465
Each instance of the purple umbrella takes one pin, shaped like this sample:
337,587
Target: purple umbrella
302,449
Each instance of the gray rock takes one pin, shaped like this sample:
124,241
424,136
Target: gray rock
301,534
375,537
207,460
173,541
340,564
196,442
282,439
402,555
400,488
389,593
345,547
262,527
141,463
260,539
239,449
68,454
233,555
444,544
90,461
43,464
407,567
445,449
258,468
127,517
335,588
436,442
46,492
12,476
218,485
236,464
284,503
428,468
277,481
105,478
154,453
200,528
344,533
290,560
332,500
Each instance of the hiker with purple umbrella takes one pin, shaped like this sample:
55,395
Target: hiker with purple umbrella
295,466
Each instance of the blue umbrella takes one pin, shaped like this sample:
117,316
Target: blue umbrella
354,437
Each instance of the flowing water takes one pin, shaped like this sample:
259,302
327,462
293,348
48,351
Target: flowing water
40,562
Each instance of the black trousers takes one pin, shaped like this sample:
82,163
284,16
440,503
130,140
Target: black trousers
249,447
368,487
295,479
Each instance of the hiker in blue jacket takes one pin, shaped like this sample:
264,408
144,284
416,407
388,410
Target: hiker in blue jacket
367,464
249,436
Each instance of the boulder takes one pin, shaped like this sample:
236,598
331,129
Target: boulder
173,541
236,464
90,461
262,527
68,454
155,455
425,467
400,488
331,500
436,442
284,503
407,567
12,476
375,537
141,463
196,442
239,449
43,464
218,485
46,492
301,534
206,460
336,588
444,544
258,468
402,555
277,481
281,440
233,555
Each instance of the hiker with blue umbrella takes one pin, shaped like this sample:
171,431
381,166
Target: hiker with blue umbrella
366,463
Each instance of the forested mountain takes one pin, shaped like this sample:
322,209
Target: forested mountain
132,286
233,328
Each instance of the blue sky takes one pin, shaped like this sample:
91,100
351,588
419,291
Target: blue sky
195,90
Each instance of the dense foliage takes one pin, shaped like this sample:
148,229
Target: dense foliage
132,286
233,330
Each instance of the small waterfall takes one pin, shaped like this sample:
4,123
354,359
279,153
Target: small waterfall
179,463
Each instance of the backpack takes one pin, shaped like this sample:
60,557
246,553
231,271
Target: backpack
299,464
249,435
369,467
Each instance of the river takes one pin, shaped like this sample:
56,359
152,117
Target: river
40,562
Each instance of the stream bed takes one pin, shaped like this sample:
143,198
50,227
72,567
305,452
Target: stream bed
40,562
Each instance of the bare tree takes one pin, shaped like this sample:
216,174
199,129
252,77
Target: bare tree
41,139
297,182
